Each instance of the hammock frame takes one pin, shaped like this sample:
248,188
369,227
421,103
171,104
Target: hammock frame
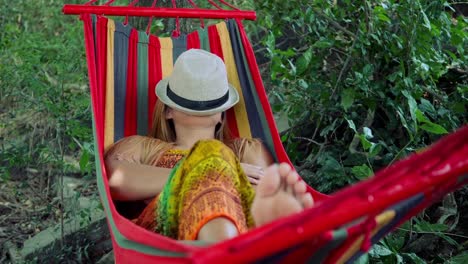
174,12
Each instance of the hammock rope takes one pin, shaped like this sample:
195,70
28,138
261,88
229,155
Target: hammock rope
202,22
150,21
126,17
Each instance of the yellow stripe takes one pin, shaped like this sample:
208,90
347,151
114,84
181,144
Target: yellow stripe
233,78
382,219
109,118
167,62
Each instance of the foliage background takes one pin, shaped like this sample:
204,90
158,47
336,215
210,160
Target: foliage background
356,85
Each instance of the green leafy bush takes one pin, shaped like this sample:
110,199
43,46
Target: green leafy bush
44,102
367,82
363,84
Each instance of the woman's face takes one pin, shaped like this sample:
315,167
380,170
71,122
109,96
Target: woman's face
186,120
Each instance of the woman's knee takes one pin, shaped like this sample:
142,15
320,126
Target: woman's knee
218,229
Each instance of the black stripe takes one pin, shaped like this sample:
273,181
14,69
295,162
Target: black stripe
197,105
121,39
248,88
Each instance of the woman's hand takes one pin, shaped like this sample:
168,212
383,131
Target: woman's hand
254,173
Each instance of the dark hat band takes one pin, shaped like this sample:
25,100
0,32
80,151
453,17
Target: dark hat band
197,105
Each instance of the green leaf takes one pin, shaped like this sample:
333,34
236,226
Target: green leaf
331,165
403,122
322,44
448,239
270,41
84,160
301,65
382,14
328,128
424,226
413,106
303,84
364,259
347,98
414,258
361,172
433,128
366,144
351,125
421,117
399,259
375,150
304,61
459,259
425,67
427,107
379,250
427,23
383,17
293,68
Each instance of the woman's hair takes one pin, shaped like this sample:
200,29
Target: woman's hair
164,130
162,137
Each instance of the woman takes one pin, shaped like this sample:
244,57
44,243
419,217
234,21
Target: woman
198,181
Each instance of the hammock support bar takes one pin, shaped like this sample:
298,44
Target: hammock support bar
158,12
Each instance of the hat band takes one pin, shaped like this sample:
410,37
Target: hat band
197,105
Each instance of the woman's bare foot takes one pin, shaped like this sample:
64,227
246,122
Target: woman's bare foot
279,193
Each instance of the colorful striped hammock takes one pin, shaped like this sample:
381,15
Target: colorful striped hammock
124,66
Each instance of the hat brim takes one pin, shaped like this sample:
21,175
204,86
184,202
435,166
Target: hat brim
161,93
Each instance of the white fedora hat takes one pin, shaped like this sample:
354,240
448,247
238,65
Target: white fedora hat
198,85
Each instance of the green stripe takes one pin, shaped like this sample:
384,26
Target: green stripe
142,75
264,123
321,254
204,40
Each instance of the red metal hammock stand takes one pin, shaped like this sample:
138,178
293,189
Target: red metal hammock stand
153,11
337,229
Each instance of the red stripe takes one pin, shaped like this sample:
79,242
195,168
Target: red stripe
130,122
101,36
93,83
215,48
215,42
154,74
193,40
304,250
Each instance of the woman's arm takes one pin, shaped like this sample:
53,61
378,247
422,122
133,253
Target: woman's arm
255,153
129,178
130,181
254,158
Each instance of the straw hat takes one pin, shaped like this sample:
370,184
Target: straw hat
198,85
